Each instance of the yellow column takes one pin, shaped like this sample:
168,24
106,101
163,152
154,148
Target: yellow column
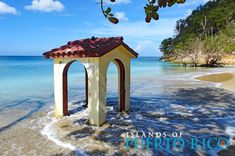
127,84
58,86
96,93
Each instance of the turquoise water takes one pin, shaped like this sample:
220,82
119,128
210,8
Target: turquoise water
164,97
27,77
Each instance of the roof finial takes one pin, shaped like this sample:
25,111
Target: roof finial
93,38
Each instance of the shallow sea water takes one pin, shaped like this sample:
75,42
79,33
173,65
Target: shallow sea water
164,98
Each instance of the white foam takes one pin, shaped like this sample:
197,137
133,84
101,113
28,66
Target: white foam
139,116
163,119
109,108
230,131
49,131
195,119
177,106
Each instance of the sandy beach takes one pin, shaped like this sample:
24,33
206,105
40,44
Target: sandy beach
227,80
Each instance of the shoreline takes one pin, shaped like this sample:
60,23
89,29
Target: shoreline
226,80
228,60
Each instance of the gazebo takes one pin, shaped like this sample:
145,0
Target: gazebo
95,54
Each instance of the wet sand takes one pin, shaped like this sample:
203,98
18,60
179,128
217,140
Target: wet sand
227,80
26,139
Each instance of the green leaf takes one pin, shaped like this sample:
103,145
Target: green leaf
155,16
107,11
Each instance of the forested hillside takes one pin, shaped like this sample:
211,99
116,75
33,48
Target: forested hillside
206,37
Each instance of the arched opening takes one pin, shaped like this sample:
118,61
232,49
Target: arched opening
122,90
112,85
121,82
78,78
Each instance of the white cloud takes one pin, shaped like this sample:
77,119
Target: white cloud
140,29
45,5
189,12
116,2
194,2
7,9
145,37
147,48
121,16
205,1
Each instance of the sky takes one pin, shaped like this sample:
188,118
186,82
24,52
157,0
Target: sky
31,27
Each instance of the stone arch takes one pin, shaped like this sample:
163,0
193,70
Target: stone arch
120,64
65,85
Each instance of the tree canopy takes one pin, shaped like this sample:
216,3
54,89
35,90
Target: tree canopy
212,25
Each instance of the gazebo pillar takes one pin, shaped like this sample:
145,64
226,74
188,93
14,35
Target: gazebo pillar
59,88
86,87
127,85
96,93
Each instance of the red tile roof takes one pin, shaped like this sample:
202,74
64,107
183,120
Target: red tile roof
90,47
